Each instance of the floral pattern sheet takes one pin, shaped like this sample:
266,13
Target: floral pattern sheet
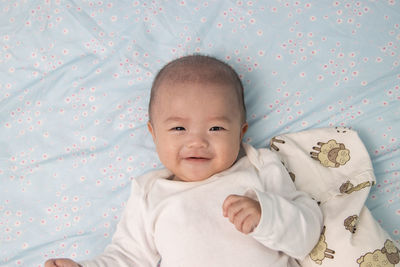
74,89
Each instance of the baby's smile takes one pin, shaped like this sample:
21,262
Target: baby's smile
197,159
196,156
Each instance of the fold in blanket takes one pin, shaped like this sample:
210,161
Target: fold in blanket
333,166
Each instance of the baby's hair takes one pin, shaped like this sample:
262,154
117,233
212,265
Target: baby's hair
199,69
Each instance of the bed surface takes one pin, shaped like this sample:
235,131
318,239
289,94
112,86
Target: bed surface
74,89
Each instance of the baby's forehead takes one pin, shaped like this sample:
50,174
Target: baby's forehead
180,98
173,87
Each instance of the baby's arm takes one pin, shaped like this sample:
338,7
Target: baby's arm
291,225
61,263
291,221
278,216
131,244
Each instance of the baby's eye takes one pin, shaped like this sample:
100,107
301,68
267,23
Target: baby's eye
178,128
217,128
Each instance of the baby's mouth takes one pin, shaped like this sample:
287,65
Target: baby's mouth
197,159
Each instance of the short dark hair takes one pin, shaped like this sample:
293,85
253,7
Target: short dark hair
199,68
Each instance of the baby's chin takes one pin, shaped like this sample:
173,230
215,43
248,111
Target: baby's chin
192,178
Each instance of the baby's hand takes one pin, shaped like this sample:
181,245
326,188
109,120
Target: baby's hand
243,212
61,263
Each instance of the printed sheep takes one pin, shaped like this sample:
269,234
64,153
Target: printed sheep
275,140
349,188
342,129
351,223
331,154
321,250
388,256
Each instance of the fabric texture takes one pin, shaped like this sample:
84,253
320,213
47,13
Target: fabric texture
75,78
182,224
333,166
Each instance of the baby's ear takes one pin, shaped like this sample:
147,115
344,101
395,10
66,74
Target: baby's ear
151,129
245,126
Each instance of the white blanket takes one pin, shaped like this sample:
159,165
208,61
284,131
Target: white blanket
333,166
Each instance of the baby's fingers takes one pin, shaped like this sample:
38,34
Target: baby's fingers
243,212
246,220
50,263
61,263
239,219
249,224
228,203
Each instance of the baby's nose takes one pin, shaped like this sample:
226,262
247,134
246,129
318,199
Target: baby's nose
196,140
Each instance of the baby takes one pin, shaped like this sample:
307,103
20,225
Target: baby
218,202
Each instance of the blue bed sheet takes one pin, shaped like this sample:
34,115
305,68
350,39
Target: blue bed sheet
74,89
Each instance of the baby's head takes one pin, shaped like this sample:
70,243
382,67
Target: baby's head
197,116
199,69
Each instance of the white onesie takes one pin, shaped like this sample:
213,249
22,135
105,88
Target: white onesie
181,223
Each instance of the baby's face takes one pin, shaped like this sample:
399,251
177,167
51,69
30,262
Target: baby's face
197,129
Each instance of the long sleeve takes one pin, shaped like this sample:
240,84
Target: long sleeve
291,221
132,243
